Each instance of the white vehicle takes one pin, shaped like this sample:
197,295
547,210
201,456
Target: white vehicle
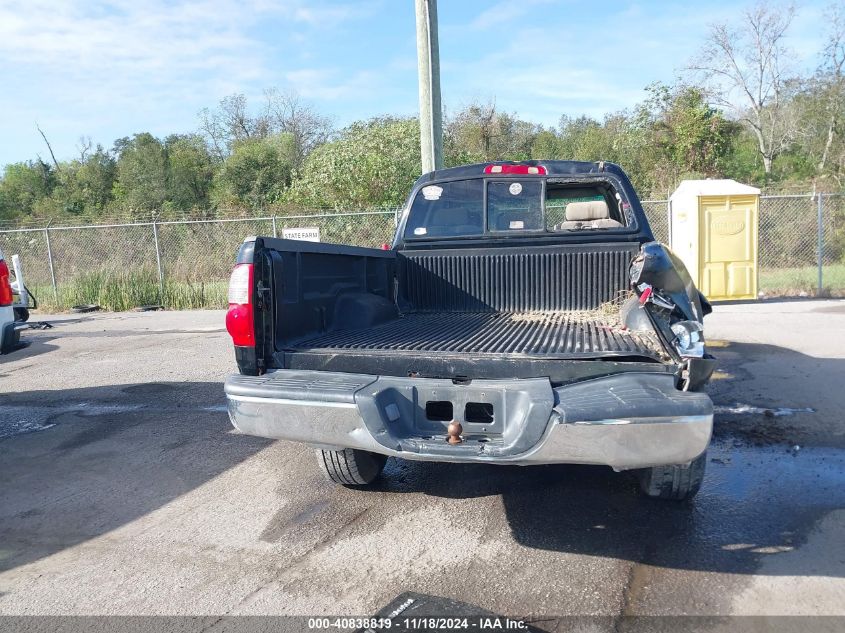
10,328
24,300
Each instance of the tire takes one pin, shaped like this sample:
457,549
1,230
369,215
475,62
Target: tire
351,467
21,314
675,482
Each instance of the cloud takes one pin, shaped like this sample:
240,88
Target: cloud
332,85
81,66
573,63
153,36
504,12
325,16
542,73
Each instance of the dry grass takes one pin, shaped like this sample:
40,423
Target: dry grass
607,313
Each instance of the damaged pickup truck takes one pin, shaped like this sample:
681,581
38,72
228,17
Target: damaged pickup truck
524,315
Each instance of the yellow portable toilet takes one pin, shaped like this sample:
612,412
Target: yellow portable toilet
713,229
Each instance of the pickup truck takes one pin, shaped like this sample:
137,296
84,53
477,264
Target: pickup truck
523,315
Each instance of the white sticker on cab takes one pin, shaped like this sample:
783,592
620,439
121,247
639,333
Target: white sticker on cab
515,188
432,192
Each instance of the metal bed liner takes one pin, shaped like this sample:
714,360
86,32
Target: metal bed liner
554,334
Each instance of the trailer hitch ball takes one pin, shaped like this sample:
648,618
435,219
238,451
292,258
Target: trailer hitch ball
454,431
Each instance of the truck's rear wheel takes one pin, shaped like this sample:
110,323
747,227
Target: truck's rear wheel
351,467
674,482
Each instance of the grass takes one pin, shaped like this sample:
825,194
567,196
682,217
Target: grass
794,281
126,291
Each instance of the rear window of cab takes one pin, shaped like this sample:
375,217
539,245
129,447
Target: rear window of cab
460,208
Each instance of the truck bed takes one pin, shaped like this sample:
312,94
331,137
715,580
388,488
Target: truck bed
497,312
567,334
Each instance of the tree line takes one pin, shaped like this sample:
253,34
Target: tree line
739,110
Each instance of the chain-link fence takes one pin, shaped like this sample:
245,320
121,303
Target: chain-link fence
177,264
801,242
186,264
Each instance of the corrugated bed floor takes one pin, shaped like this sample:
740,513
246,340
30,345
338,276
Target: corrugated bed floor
546,334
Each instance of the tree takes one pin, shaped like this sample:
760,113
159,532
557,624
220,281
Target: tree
87,184
480,133
190,171
141,183
231,123
546,145
584,138
744,68
23,185
281,113
371,164
680,135
825,132
257,172
289,114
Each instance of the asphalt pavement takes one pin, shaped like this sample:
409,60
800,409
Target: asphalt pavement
124,490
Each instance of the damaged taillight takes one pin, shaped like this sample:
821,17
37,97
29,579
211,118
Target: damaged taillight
240,319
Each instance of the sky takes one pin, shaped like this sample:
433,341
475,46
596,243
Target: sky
106,69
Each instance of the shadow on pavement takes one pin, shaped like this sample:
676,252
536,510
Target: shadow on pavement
761,497
27,349
112,455
755,503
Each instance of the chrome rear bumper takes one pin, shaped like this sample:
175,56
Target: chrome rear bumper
624,421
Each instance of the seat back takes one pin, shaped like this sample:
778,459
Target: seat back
592,214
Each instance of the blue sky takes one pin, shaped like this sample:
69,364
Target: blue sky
111,68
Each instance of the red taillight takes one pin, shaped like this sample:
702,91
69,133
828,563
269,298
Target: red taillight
240,320
522,170
5,286
385,247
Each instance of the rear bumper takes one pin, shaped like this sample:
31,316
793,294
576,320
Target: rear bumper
624,421
10,332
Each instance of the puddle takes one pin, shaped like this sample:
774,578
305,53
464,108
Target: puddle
216,408
771,412
21,420
20,427
149,389
756,504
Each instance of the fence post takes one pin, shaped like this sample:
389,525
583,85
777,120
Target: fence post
275,234
820,246
50,262
158,263
669,222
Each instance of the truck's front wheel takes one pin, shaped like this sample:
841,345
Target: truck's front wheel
351,467
673,482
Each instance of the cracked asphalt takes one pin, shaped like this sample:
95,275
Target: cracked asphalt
124,490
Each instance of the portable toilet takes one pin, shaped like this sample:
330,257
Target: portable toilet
713,229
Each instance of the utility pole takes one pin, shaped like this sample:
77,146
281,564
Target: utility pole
428,65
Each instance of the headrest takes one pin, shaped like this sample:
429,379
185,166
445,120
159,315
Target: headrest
584,211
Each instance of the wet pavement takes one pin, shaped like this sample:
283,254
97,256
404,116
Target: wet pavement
123,490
